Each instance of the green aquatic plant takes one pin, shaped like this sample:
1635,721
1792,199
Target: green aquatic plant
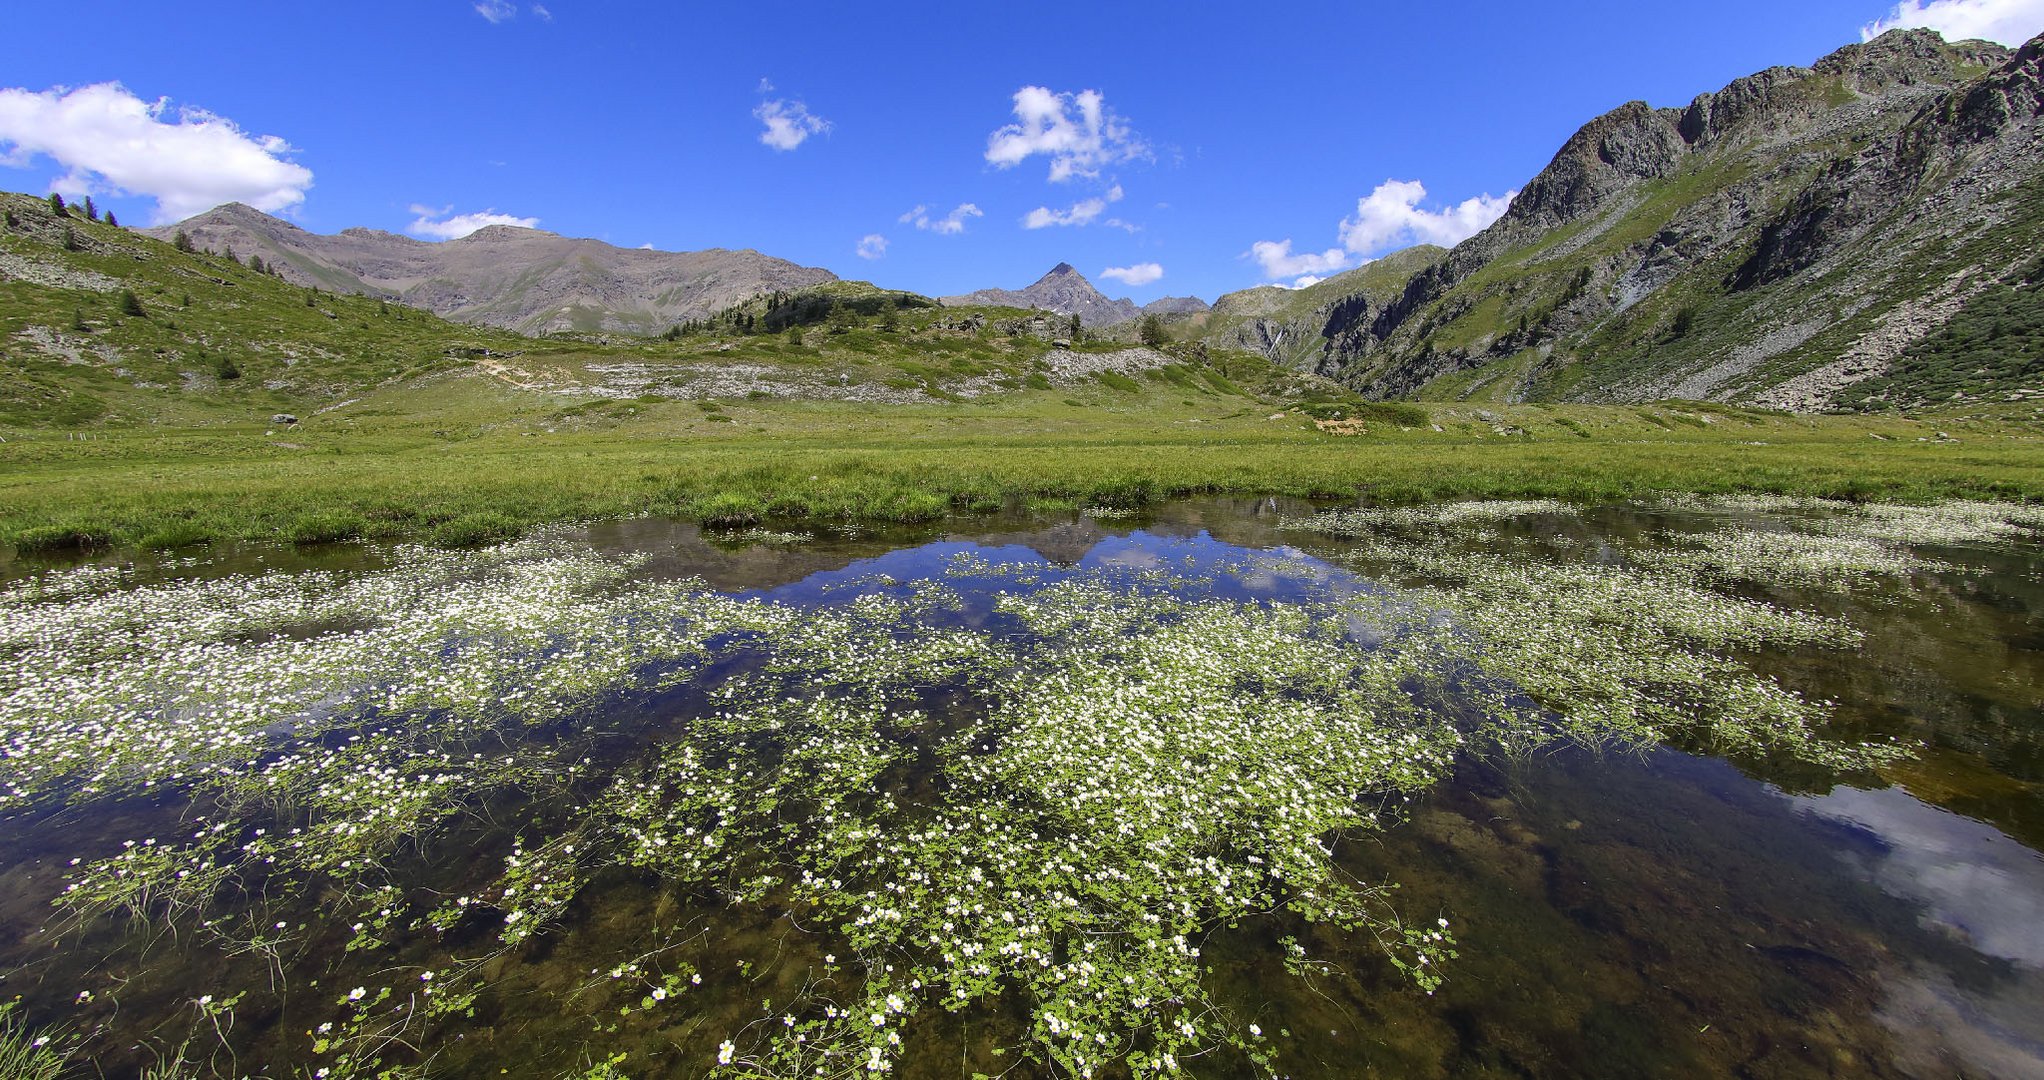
27,1056
1002,786
1841,563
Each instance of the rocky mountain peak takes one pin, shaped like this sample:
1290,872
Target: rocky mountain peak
1910,58
502,234
1063,290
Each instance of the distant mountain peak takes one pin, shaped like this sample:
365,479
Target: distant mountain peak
522,279
1063,290
497,234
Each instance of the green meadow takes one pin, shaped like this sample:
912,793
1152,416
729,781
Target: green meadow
357,474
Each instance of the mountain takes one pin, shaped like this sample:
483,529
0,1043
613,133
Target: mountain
1805,238
107,328
1063,290
1288,325
1175,305
527,280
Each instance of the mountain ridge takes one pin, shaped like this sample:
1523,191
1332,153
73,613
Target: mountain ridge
529,280
1775,242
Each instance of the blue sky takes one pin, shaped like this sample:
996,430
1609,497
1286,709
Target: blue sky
1192,139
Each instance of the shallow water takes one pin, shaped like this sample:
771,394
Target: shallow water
1683,905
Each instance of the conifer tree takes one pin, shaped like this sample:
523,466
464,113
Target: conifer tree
131,305
57,205
182,241
91,210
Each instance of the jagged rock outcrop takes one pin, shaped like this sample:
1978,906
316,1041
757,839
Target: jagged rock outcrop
1796,217
1063,290
522,279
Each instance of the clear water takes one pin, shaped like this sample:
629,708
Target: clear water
1679,907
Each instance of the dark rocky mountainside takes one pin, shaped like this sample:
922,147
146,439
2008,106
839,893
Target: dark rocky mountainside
1290,325
522,279
1781,242
1063,290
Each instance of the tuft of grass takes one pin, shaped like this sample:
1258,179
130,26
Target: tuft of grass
47,539
1392,412
326,527
22,1056
475,530
726,510
176,534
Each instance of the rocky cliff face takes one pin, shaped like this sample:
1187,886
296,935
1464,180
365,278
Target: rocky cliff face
1774,242
522,279
1063,290
1292,326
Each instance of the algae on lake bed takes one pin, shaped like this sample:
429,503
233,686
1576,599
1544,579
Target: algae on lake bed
1000,791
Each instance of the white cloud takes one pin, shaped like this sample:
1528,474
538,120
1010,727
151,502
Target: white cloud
1305,280
948,225
2010,22
113,142
497,10
1390,217
1278,261
872,246
788,123
1082,212
1078,132
543,14
1133,276
435,224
